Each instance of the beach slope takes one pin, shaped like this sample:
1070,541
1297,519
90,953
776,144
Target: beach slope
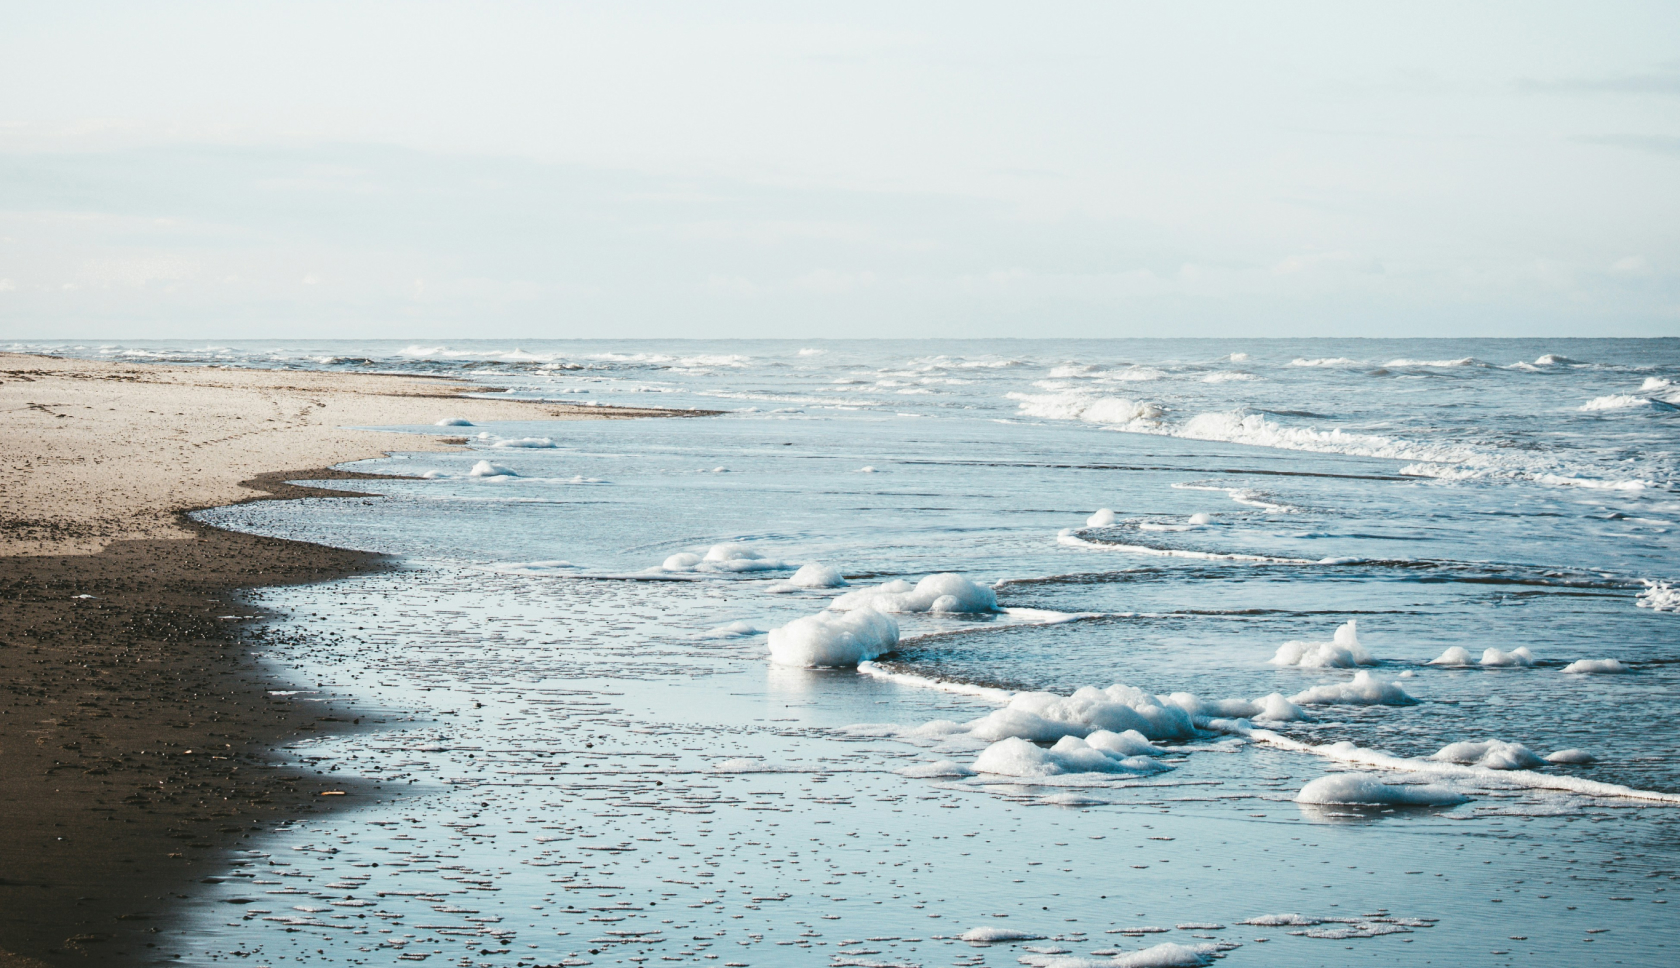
136,734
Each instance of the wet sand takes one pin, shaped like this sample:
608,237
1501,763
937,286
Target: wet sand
134,730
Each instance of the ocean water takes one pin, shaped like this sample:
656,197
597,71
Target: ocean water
599,763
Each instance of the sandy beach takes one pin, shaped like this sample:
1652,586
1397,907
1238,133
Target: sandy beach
133,731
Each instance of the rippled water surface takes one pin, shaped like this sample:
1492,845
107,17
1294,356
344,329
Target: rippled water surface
598,764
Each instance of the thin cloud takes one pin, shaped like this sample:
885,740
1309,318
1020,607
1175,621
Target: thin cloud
1659,144
1664,83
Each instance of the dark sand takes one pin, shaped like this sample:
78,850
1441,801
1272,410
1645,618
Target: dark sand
137,735
135,731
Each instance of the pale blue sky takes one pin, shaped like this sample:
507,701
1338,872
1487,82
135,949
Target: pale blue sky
225,170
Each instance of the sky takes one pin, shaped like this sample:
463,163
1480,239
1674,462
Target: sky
1080,169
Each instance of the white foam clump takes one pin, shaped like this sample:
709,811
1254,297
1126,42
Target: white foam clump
1458,657
1045,716
936,593
1369,788
1344,652
1201,518
1168,954
1491,754
1269,708
1580,666
731,556
1363,690
1100,752
1324,361
830,638
538,443
486,469
1101,519
727,556
989,935
744,766
1571,757
1659,596
453,422
816,575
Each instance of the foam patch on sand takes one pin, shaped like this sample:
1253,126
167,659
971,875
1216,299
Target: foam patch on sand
1369,788
947,593
1100,752
1045,716
552,567
935,770
453,422
833,639
989,935
1344,652
1363,690
1165,955
745,766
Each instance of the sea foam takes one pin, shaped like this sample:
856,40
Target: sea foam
1343,652
1369,788
1581,666
947,593
1363,690
833,639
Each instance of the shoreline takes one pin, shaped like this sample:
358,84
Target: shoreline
137,733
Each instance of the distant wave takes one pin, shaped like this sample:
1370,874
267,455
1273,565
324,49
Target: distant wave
1626,401
1441,461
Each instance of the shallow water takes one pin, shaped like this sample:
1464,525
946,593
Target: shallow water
1466,500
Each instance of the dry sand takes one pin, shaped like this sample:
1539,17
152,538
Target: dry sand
93,452
136,734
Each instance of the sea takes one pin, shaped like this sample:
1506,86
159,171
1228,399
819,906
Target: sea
984,652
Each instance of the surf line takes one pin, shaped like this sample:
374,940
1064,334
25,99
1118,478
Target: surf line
1342,752
1347,752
